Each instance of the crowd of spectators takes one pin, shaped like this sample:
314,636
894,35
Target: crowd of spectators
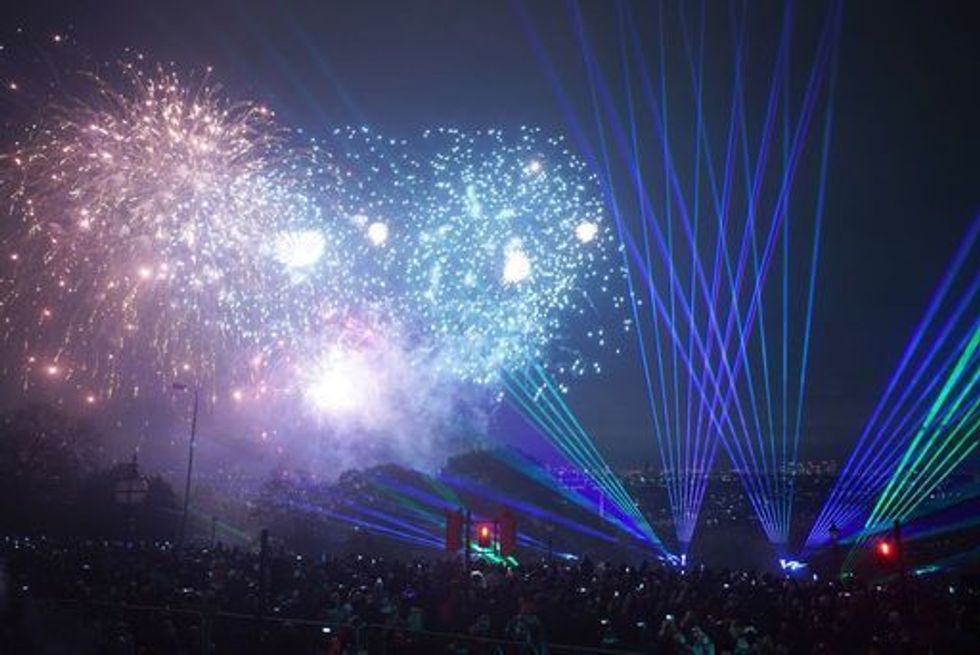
219,599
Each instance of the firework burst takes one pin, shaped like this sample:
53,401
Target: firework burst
490,245
143,213
157,230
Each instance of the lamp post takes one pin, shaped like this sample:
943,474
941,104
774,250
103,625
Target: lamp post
178,386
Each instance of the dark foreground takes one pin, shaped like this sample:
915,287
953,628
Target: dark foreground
104,597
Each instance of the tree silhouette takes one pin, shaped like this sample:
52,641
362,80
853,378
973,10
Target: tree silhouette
44,455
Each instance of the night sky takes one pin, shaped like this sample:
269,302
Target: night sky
904,168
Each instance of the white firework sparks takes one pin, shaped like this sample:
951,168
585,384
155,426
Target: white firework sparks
141,214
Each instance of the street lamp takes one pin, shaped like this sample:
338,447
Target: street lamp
178,386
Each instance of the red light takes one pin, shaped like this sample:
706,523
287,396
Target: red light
484,535
884,549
